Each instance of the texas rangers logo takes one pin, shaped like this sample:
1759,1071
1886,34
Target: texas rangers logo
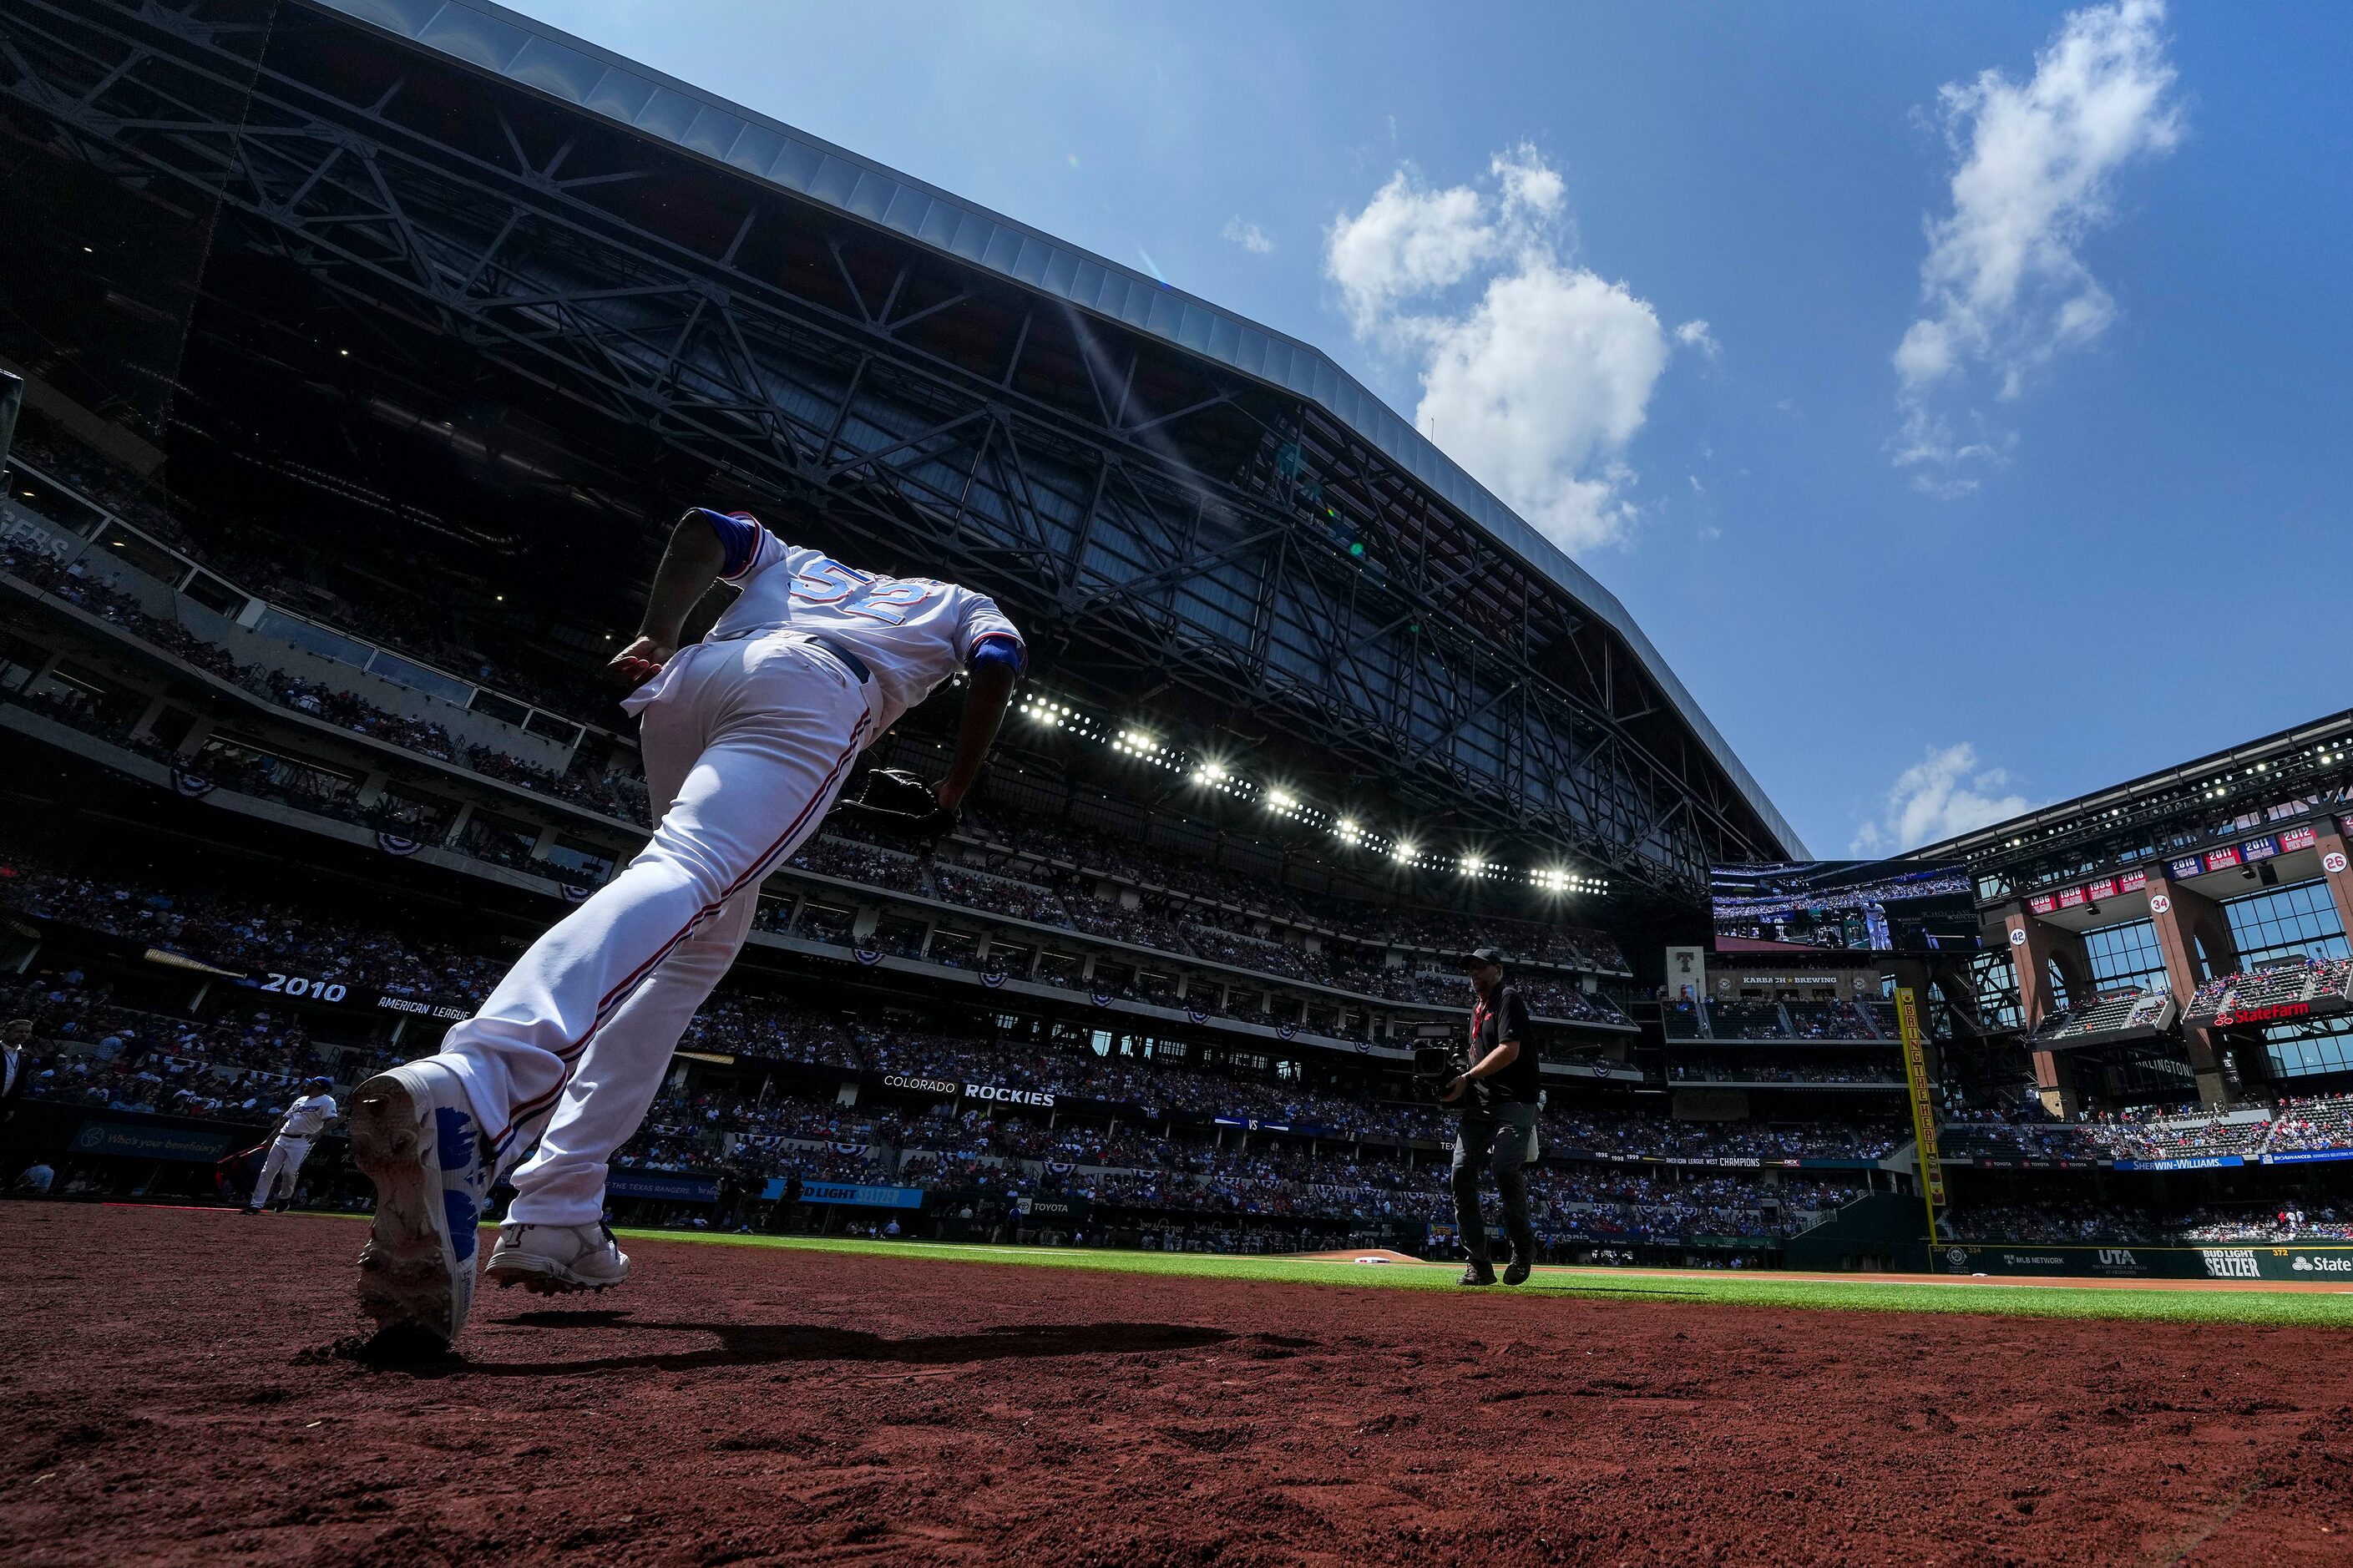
2333,862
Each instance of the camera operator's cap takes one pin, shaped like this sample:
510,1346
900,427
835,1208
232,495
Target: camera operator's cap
1480,955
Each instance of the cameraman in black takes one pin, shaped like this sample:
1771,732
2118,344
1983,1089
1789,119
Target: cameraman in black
1498,1101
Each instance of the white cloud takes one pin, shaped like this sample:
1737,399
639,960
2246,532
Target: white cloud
1943,793
1536,372
1694,334
1247,235
2003,288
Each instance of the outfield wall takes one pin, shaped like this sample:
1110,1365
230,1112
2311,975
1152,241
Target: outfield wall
2330,1262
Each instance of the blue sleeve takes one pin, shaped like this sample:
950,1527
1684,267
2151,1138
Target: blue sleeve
739,536
1000,648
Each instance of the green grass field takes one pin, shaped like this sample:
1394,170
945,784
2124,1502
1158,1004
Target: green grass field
2156,1303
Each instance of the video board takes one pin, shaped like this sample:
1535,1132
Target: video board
1845,906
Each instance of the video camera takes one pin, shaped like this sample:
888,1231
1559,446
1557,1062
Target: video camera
1439,1058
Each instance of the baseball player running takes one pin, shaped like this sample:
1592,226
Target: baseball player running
297,1131
748,736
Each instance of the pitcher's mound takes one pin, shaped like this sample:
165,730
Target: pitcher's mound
1369,1255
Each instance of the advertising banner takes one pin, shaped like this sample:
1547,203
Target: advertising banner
1063,1206
191,1145
851,1193
652,1184
2124,1261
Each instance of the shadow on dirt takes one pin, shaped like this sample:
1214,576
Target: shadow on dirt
757,1344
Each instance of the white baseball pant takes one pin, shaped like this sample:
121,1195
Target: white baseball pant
747,742
283,1165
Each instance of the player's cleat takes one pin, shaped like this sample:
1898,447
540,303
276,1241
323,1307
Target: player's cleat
554,1258
1516,1271
415,1137
1480,1272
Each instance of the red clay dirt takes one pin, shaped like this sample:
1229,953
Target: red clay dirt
167,1396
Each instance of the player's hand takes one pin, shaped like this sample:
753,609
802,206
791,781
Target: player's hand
639,662
1453,1091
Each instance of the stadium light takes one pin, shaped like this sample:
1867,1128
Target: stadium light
1472,865
1404,851
1280,800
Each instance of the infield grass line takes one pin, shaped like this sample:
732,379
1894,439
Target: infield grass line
1988,1297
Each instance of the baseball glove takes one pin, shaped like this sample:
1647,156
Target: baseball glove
894,801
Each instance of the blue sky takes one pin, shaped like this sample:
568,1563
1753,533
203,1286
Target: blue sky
1649,269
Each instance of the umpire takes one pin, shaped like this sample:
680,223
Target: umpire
1498,1101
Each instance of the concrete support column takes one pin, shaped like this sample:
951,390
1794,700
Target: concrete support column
2035,948
457,823
198,733
146,725
2194,935
2337,870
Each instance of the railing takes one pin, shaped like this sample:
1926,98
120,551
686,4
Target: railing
184,575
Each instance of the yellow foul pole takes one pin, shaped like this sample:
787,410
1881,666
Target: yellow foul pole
1923,1109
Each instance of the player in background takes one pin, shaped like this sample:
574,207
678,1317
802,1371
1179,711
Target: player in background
747,737
297,1131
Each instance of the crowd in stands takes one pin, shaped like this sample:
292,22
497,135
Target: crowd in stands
1753,1018
1731,1069
612,793
1190,907
2084,1222
260,564
2293,1124
2132,1007
2281,983
1009,1155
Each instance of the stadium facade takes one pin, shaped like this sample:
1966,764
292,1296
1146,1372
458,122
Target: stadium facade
2186,929
425,212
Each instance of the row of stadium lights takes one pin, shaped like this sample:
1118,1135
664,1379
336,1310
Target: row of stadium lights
2327,755
1048,712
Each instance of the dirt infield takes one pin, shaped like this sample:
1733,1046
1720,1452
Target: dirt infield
164,1398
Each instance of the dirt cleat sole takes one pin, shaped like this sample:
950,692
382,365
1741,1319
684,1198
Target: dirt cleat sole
415,1137
558,1259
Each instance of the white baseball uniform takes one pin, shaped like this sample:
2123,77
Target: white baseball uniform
748,736
305,1119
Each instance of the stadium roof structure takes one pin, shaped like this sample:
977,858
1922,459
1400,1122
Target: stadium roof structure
1186,502
2223,795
